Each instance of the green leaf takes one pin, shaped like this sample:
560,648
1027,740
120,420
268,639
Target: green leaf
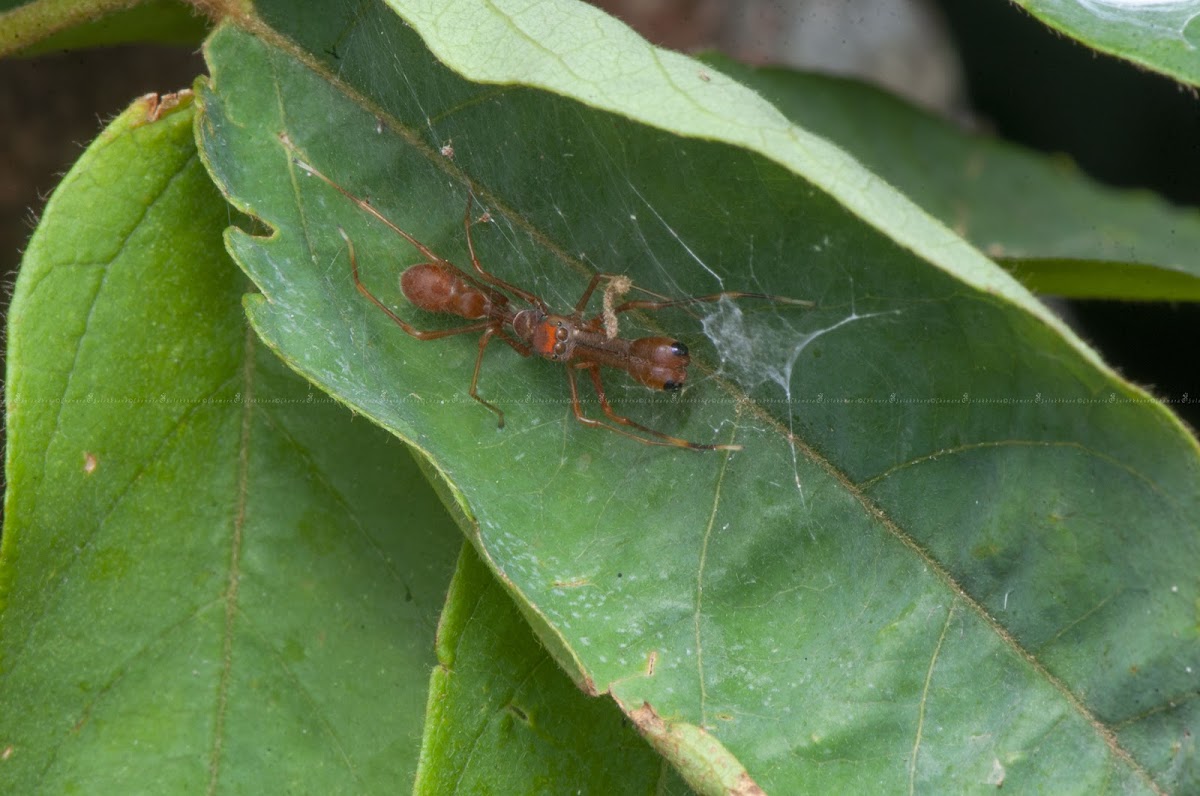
504,719
44,26
956,550
1161,36
211,577
1054,228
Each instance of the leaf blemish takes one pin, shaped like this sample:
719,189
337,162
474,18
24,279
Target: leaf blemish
89,463
157,105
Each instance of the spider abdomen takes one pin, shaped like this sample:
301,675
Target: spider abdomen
436,289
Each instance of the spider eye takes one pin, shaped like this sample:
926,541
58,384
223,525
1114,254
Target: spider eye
560,349
679,349
672,386
561,333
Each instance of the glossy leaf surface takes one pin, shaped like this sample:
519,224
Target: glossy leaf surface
503,718
1057,230
47,26
956,550
212,578
1160,36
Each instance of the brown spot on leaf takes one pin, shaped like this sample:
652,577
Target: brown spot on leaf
702,760
745,786
646,718
158,105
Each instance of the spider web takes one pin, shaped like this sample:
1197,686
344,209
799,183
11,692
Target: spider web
611,196
623,217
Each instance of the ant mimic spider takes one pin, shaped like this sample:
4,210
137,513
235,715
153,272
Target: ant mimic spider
437,285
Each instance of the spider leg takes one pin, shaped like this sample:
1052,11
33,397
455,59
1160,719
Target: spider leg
366,206
581,305
484,339
662,439
363,204
420,334
594,370
492,279
642,304
520,346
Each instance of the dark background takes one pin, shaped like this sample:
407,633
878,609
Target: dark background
1125,127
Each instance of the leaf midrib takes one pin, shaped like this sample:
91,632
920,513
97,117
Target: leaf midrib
235,550
280,42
